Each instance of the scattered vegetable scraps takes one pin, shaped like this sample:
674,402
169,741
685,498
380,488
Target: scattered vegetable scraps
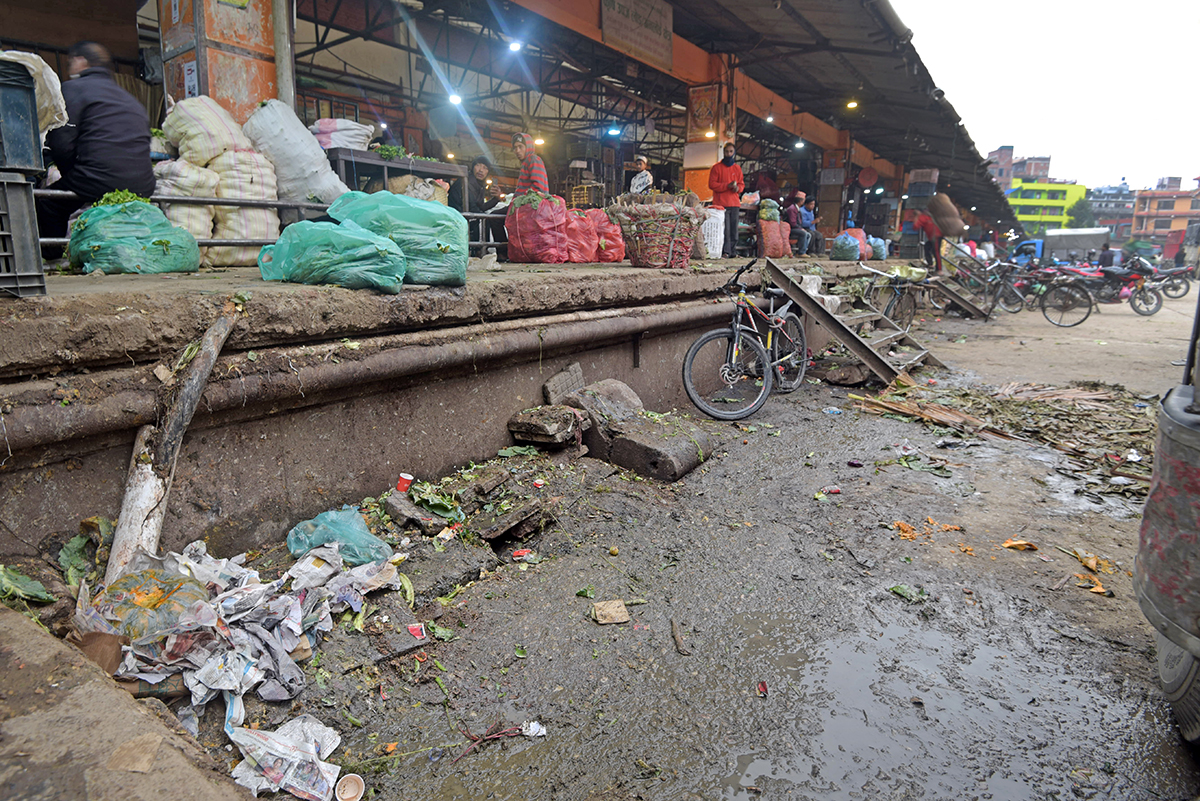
1019,545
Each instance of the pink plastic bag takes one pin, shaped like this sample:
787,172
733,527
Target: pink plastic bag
537,229
583,243
611,241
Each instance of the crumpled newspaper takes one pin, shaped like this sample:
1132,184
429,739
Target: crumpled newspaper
289,758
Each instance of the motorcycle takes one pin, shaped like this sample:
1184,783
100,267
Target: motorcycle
1171,281
1119,284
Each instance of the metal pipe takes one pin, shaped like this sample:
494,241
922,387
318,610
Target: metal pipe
185,200
285,66
398,356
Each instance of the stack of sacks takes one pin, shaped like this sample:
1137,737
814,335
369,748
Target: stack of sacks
179,178
342,133
208,137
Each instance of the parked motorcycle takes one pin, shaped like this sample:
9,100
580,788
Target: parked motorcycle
1171,281
1119,284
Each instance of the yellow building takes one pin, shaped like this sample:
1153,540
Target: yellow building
1040,205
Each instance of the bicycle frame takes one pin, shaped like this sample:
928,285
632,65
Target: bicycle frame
746,308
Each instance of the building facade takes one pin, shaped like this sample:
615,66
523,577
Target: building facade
1158,212
1000,166
1112,207
1031,168
1041,205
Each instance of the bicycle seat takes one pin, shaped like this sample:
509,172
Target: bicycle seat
773,292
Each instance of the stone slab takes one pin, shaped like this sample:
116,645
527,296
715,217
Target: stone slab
665,449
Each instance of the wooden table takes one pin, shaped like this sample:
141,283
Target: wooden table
354,165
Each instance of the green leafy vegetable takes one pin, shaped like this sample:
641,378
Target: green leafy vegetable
520,652
74,561
14,585
909,594
518,450
587,592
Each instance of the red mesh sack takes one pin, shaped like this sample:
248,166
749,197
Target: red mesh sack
611,242
785,232
537,229
583,243
770,243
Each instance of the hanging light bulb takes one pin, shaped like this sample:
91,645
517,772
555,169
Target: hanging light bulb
455,99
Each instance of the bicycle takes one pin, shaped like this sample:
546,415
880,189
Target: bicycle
729,373
1067,302
901,305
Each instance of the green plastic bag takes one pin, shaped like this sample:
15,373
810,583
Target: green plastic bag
845,248
325,253
131,238
432,236
344,526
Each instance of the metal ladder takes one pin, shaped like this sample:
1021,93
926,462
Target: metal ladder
845,328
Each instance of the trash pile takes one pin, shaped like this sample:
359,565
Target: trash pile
1106,430
195,625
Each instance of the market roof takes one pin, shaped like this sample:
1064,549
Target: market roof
822,55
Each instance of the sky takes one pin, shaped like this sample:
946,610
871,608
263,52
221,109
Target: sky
1107,89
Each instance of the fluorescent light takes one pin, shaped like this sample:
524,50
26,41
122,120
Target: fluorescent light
851,201
879,191
539,141
798,145
972,208
455,99
904,197
514,46
852,104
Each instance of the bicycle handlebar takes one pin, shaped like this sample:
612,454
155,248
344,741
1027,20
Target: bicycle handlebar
733,281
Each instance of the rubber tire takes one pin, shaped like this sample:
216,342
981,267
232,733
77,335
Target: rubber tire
1177,671
790,379
1077,296
936,300
746,340
1177,287
901,310
1146,301
1009,299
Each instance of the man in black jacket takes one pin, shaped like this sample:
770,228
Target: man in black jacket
481,197
105,146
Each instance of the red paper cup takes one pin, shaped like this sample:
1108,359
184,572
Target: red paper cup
404,482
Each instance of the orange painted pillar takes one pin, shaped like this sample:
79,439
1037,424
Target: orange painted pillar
225,50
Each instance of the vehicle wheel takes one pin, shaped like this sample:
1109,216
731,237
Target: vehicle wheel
790,354
901,310
1067,305
936,300
1177,287
1177,670
1146,301
724,375
1009,299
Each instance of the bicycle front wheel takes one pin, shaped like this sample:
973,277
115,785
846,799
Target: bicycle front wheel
789,354
1008,298
727,374
1066,305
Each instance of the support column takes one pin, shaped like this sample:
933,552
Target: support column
223,50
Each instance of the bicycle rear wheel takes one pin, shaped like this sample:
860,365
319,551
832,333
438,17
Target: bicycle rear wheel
726,374
789,354
1008,298
902,309
1066,305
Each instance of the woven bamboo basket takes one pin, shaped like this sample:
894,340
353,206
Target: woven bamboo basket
658,234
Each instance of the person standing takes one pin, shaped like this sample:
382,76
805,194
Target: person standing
105,145
808,221
933,240
726,181
1106,256
532,177
642,181
480,197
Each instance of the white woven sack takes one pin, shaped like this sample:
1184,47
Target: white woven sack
246,175
178,178
302,170
202,130
713,230
342,133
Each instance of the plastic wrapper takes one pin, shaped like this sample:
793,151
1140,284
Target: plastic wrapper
583,243
610,243
537,229
131,238
879,249
149,602
432,237
344,526
301,169
324,253
844,248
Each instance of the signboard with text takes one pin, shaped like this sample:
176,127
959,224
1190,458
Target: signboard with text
639,28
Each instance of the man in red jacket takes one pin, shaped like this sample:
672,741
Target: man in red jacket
727,183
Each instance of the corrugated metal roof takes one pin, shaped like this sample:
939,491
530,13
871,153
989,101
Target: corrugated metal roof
821,54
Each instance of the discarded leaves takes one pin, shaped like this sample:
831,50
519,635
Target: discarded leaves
1019,545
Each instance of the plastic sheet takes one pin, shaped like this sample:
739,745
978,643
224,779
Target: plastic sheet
324,253
537,229
344,526
879,249
131,238
432,237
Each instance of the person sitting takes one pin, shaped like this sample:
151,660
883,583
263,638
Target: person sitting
532,177
791,215
642,181
481,197
808,221
104,147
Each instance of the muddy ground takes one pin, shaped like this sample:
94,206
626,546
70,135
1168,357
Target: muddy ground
1002,681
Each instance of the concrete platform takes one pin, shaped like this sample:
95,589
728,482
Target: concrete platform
322,394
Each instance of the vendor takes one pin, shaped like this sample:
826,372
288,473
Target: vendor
727,183
482,196
791,215
933,240
808,221
642,181
533,176
104,147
